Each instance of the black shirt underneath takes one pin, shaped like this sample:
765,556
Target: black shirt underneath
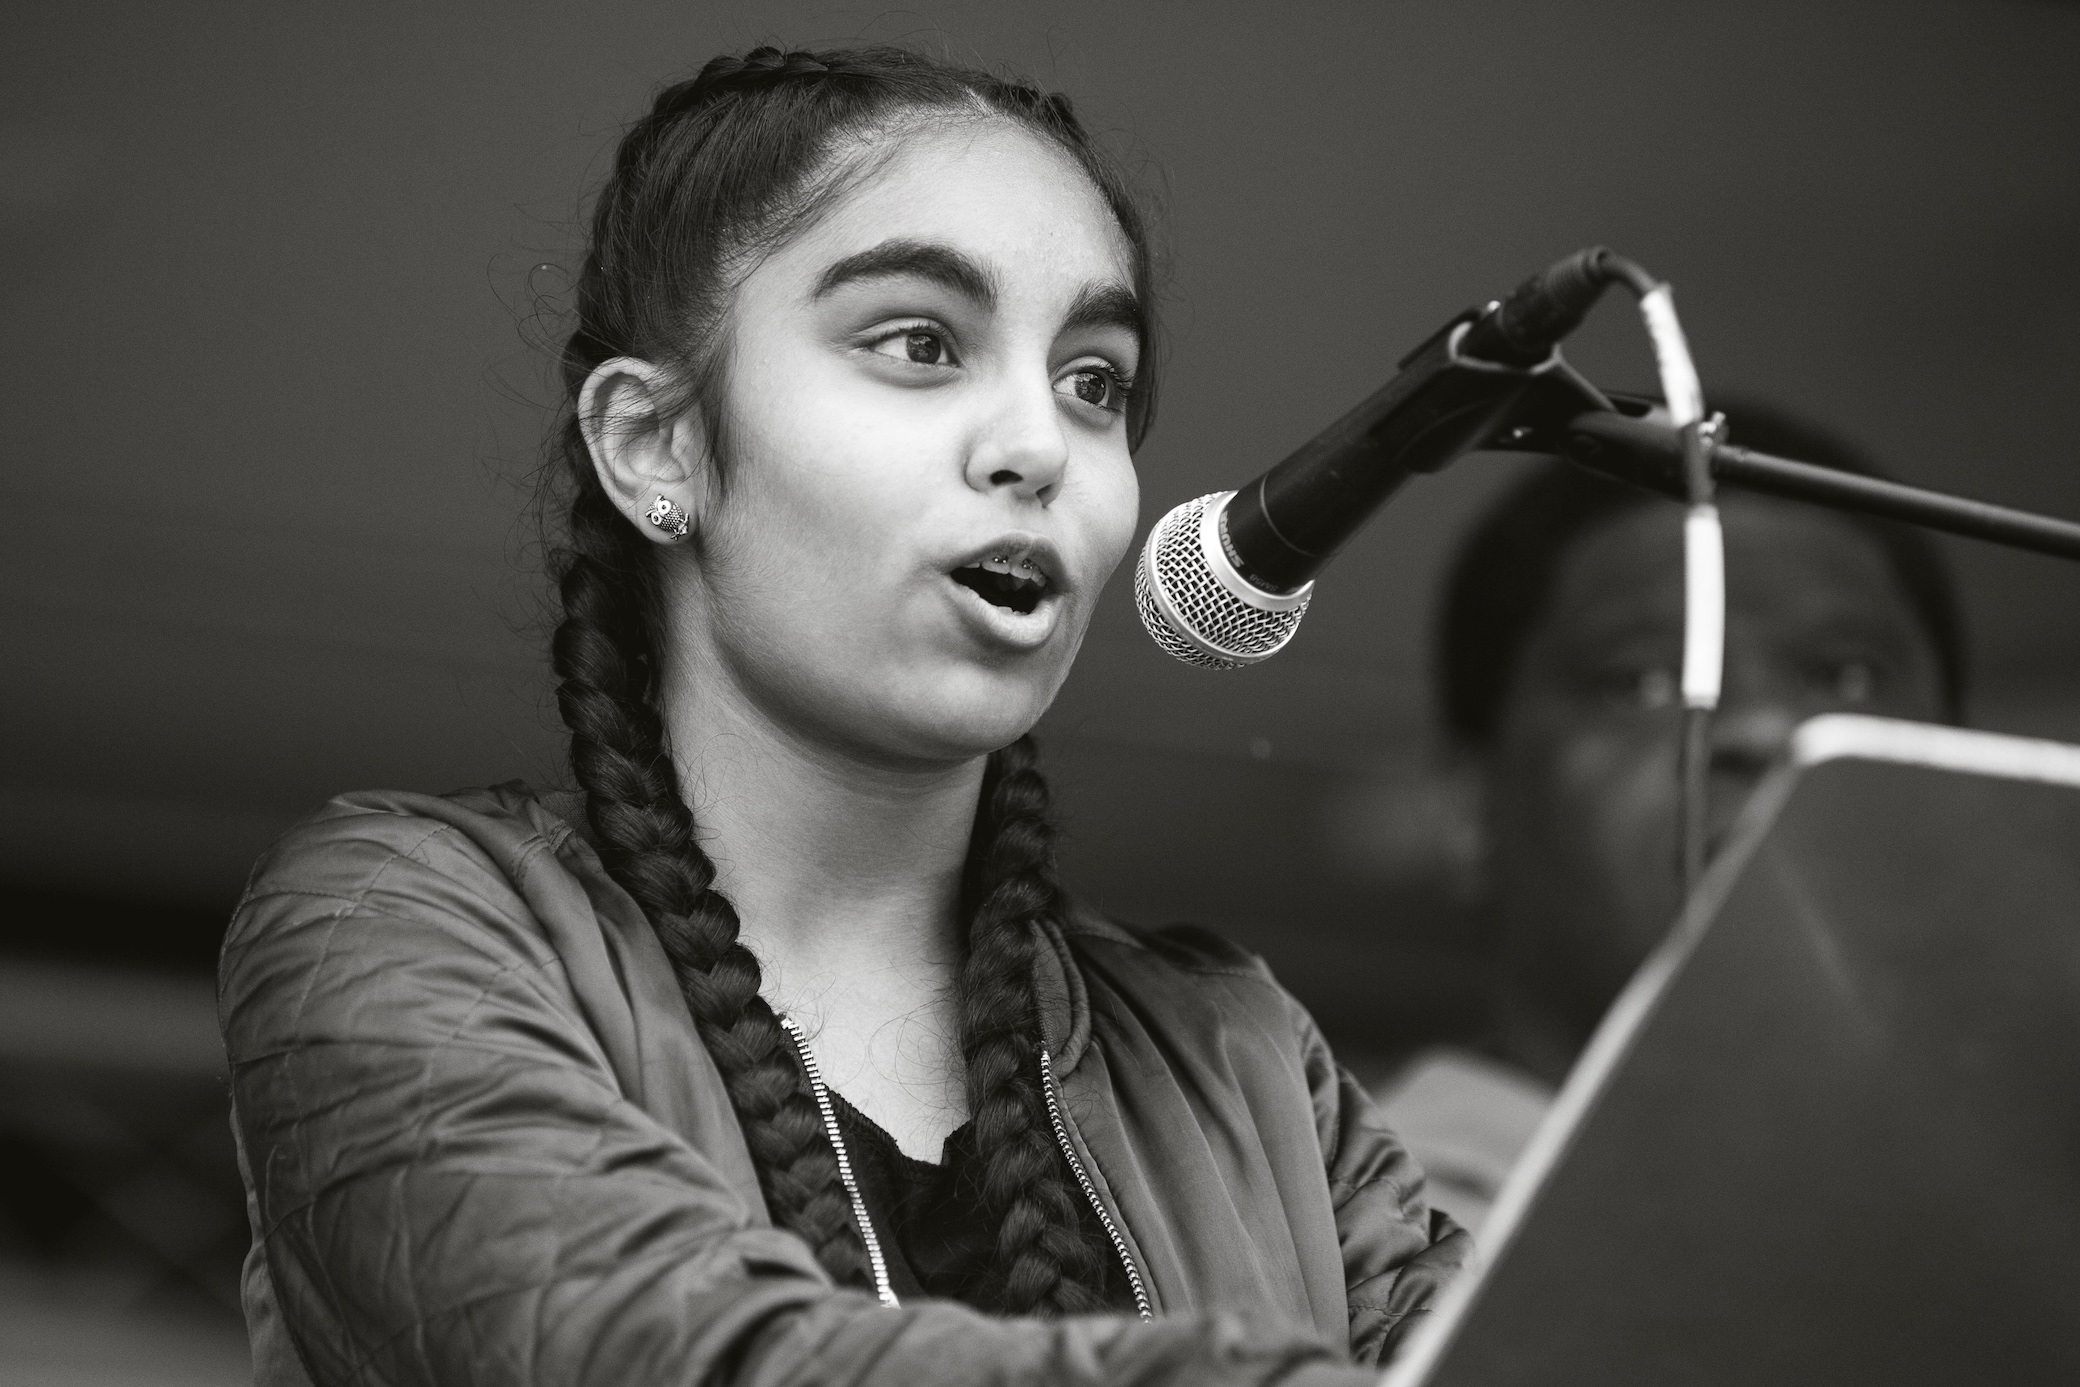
937,1238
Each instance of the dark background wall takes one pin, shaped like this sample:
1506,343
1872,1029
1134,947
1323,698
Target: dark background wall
271,397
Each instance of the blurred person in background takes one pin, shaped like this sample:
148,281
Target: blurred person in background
1559,647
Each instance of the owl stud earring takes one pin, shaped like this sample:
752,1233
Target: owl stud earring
669,516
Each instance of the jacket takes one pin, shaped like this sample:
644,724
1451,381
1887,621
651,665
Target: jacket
482,1142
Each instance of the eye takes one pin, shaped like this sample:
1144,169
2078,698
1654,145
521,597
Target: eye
924,348
1849,681
1654,689
1636,689
919,343
1102,386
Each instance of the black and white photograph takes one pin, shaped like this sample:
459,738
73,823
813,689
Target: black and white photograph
809,694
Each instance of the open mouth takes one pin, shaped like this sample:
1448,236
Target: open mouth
1014,584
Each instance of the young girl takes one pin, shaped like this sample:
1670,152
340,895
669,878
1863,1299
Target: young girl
778,1054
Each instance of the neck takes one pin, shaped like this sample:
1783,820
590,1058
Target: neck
845,873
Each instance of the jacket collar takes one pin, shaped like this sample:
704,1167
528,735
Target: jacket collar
1060,996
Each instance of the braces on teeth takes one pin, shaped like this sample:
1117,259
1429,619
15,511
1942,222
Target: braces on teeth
1002,563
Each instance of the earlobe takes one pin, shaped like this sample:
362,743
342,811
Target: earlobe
651,462
669,516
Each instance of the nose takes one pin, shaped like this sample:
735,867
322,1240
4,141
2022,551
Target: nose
1021,445
1749,737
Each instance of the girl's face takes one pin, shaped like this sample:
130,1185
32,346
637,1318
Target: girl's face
928,480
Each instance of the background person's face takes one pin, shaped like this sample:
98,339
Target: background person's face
1582,779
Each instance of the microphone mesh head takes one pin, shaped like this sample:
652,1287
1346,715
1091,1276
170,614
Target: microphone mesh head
1202,614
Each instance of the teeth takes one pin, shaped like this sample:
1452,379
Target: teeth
1022,568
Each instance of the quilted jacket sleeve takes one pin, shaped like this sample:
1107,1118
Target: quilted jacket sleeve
1398,1253
450,1187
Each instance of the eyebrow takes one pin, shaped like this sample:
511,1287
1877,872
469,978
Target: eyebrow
1106,305
1097,305
927,260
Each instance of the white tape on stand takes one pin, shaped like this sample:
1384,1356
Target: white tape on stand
1704,607
1679,383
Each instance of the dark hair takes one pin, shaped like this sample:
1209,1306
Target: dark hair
726,166
1497,584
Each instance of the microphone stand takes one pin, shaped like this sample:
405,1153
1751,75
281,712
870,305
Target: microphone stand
1615,436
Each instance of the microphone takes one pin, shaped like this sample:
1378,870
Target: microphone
1224,580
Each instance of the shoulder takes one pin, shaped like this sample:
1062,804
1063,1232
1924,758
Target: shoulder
403,856
1184,948
1181,966
391,915
349,846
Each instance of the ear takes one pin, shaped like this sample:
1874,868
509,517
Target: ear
640,450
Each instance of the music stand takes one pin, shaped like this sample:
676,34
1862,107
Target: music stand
1831,1131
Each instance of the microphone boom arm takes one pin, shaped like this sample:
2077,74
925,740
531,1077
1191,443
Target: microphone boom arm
1621,441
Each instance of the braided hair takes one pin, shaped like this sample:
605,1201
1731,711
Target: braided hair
728,165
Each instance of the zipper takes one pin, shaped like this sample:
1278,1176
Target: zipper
1090,1191
882,1288
879,1264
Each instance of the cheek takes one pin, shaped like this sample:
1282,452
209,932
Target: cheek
1592,862
1114,510
1916,691
819,484
1600,796
1622,777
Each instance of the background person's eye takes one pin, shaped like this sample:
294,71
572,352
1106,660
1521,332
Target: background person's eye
1848,681
1654,689
1633,688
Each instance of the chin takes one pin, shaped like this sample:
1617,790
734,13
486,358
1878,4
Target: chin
961,735
961,715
